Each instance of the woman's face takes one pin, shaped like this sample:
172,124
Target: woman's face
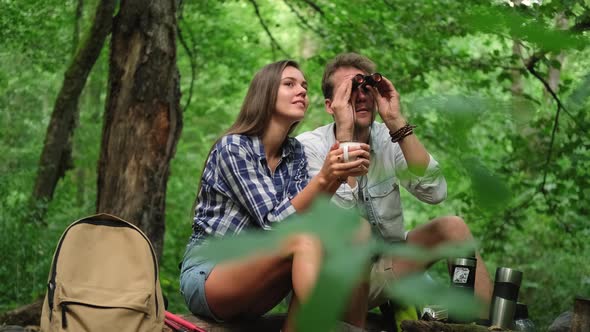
292,100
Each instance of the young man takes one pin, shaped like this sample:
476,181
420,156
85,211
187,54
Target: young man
397,158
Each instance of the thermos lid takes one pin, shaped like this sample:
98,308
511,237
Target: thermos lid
505,274
464,261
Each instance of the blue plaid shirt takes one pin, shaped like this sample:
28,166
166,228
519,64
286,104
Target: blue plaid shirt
239,191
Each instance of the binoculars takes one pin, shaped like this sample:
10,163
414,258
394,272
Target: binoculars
363,81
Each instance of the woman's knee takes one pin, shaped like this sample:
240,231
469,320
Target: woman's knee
247,287
304,244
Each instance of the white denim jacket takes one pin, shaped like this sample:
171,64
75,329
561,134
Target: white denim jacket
379,190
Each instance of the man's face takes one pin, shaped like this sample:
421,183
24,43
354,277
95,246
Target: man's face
362,102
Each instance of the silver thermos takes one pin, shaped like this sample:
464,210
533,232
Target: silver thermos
463,273
505,296
463,279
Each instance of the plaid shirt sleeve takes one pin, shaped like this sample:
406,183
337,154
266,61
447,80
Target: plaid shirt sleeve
299,170
251,186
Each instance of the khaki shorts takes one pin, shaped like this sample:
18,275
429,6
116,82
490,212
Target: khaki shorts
382,275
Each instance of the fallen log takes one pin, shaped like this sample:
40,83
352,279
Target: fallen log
434,326
274,323
29,314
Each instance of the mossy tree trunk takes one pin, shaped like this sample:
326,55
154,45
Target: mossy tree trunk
142,119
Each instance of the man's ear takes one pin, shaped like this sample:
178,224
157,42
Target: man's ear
328,106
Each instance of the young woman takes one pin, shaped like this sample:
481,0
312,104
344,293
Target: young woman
255,176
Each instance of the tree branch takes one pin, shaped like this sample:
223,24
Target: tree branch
581,26
531,68
314,6
191,56
303,21
51,162
273,41
530,64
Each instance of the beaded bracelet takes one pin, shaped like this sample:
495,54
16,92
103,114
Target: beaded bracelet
401,133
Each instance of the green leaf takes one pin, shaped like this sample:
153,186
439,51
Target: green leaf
234,247
462,111
420,254
334,226
339,275
421,290
490,192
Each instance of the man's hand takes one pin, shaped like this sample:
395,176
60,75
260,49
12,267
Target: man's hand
387,99
343,112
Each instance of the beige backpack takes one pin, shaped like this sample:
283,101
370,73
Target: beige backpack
104,277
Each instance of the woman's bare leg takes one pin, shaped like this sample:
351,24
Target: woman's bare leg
308,265
252,286
248,287
307,259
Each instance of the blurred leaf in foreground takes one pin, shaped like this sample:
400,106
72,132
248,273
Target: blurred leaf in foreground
490,192
421,290
462,111
335,227
458,113
339,275
345,264
419,254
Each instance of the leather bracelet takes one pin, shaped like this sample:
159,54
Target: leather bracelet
401,133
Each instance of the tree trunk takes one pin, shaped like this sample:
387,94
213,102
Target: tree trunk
581,318
554,73
517,86
56,156
76,41
142,119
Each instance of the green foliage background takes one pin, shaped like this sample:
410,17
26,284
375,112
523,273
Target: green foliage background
451,61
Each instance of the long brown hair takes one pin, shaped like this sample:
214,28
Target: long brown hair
261,100
257,108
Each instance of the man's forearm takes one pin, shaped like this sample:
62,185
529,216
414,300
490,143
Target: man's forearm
414,152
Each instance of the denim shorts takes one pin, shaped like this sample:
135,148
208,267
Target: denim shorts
194,272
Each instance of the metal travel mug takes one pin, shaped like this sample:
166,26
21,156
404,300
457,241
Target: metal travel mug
463,273
505,297
463,279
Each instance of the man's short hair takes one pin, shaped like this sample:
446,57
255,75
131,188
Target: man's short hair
344,60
